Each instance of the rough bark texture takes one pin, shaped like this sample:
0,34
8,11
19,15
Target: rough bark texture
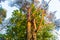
28,31
33,29
28,25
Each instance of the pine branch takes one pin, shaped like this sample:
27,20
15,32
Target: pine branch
40,26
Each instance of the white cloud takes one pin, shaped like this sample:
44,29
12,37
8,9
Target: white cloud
53,6
8,8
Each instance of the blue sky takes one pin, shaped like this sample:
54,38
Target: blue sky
8,9
54,5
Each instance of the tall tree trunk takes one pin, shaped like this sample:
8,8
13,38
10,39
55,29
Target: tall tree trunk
33,29
28,25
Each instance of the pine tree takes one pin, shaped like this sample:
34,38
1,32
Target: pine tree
29,25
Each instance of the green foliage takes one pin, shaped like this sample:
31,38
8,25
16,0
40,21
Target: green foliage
19,22
2,14
45,32
18,31
37,14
